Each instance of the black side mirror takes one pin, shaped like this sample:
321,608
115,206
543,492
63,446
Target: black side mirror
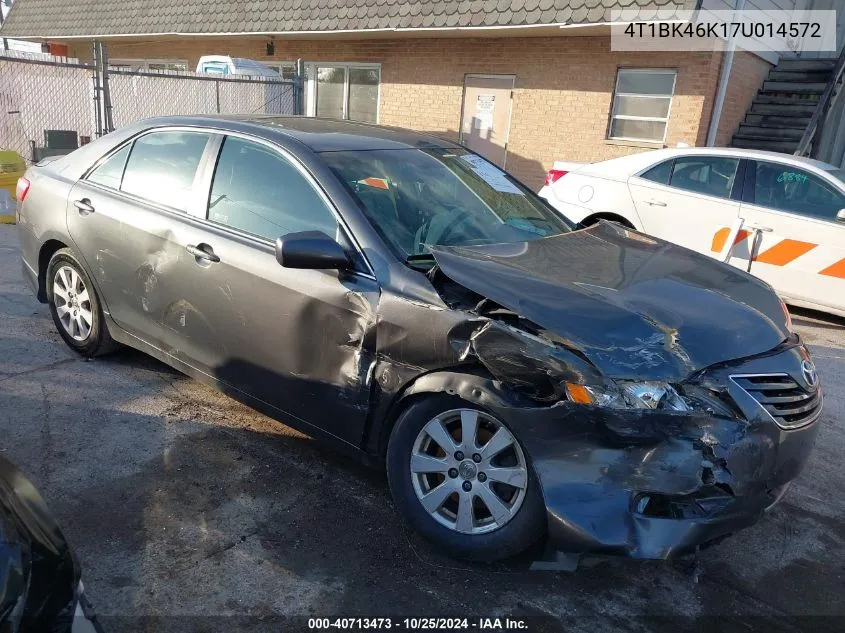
310,249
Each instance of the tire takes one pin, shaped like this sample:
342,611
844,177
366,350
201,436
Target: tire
593,220
75,306
483,538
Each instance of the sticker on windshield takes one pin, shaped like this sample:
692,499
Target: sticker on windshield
491,174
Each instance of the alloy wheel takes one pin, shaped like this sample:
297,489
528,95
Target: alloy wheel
73,304
468,471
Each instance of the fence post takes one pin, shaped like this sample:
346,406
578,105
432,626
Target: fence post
299,88
217,94
98,113
104,62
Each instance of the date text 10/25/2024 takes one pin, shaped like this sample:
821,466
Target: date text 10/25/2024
419,624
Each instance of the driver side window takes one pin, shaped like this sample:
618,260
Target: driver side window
258,191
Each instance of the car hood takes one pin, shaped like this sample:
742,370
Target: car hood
636,307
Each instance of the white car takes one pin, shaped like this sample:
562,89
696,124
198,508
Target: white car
780,217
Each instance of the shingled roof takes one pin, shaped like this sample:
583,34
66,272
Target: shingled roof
87,18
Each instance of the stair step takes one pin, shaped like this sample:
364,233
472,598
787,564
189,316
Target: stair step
810,76
777,120
807,100
770,133
784,146
794,87
806,64
774,109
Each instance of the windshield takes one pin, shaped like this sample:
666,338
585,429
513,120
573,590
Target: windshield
418,197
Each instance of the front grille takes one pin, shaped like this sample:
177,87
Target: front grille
790,405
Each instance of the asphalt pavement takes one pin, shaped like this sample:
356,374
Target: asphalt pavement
190,511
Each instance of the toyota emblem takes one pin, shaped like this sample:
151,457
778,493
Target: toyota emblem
808,370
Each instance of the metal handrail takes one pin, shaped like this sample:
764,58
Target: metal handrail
821,108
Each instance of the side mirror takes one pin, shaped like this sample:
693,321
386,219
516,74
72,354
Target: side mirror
840,216
310,249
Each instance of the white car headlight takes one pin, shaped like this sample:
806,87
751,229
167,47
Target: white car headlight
629,395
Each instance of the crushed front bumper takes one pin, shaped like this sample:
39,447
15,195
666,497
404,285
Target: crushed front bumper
655,484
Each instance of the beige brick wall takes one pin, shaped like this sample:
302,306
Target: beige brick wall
563,95
747,74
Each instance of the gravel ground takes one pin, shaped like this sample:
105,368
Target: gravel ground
195,512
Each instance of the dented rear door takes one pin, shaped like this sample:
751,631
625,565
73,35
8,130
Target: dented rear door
122,218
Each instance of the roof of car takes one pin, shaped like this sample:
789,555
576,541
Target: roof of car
746,153
625,166
319,135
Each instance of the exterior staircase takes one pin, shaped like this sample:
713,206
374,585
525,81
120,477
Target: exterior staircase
784,106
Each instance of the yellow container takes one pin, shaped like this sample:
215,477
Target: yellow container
12,167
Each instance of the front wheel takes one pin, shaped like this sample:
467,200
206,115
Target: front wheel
75,306
462,480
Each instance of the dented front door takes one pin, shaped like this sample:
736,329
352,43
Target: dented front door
299,340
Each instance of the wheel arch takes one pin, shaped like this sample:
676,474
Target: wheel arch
45,254
471,383
594,218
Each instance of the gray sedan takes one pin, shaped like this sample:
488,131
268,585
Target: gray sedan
406,300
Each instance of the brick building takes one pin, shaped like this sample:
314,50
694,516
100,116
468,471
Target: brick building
524,82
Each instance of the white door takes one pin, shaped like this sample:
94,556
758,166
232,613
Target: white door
687,200
800,245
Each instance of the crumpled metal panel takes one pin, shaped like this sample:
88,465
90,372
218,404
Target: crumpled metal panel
636,308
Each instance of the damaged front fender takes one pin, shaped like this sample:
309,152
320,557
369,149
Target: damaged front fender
639,484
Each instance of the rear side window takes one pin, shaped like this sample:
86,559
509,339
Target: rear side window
110,172
708,175
258,191
659,173
785,188
162,167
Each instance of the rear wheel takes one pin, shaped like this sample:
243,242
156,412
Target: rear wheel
462,480
75,306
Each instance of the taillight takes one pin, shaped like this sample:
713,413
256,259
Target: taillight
554,175
22,189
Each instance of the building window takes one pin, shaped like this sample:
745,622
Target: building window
286,69
344,91
641,103
149,64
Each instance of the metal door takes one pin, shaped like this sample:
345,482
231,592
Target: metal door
486,115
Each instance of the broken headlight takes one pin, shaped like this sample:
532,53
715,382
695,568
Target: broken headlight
651,395
629,395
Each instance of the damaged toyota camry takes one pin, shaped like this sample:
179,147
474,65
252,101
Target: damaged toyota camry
521,382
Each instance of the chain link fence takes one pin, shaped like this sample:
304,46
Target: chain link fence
52,105
38,95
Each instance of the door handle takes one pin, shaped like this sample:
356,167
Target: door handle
83,206
655,203
204,252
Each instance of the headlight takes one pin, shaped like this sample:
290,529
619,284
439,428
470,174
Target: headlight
629,395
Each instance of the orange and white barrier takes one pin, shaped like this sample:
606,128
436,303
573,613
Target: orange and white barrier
777,251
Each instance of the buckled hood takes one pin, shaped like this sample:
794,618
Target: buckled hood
635,306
